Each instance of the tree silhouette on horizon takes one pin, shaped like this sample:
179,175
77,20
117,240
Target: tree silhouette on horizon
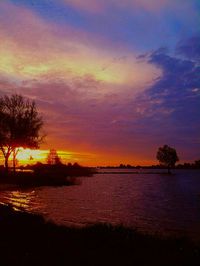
20,126
167,156
53,158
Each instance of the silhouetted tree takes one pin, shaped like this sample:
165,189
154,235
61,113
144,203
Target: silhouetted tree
53,158
197,164
20,126
76,165
167,156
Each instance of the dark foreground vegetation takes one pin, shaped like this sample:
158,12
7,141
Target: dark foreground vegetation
27,239
44,175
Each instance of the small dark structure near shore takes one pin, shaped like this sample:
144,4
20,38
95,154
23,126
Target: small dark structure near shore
28,240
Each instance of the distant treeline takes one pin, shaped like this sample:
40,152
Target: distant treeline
40,165
195,165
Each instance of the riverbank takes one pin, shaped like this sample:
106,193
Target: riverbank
45,175
27,239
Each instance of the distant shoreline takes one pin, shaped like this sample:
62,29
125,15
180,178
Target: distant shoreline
125,171
146,167
131,172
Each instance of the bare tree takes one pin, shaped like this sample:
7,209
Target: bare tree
167,156
20,125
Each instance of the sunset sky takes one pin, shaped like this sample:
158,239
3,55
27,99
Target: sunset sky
113,79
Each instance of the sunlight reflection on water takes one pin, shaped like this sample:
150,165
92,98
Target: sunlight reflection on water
149,202
19,200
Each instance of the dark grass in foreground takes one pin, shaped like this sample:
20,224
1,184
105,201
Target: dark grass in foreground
27,239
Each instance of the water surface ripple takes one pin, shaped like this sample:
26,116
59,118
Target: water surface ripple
150,202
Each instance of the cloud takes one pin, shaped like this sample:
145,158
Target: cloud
88,5
63,53
135,24
190,48
98,6
95,96
73,122
169,110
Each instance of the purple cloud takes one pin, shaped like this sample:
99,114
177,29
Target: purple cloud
190,48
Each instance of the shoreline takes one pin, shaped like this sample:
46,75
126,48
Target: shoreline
134,172
27,239
44,175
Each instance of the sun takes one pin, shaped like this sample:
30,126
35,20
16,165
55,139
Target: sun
28,156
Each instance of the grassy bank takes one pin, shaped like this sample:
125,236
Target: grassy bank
27,239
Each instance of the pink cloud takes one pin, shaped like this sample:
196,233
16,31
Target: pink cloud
55,53
99,6
82,89
88,5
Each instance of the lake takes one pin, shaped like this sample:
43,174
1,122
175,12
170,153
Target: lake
150,202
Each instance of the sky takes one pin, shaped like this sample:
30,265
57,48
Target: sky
114,80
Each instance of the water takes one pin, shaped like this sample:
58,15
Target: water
150,202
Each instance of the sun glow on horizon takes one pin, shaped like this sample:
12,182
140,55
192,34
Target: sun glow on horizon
28,156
